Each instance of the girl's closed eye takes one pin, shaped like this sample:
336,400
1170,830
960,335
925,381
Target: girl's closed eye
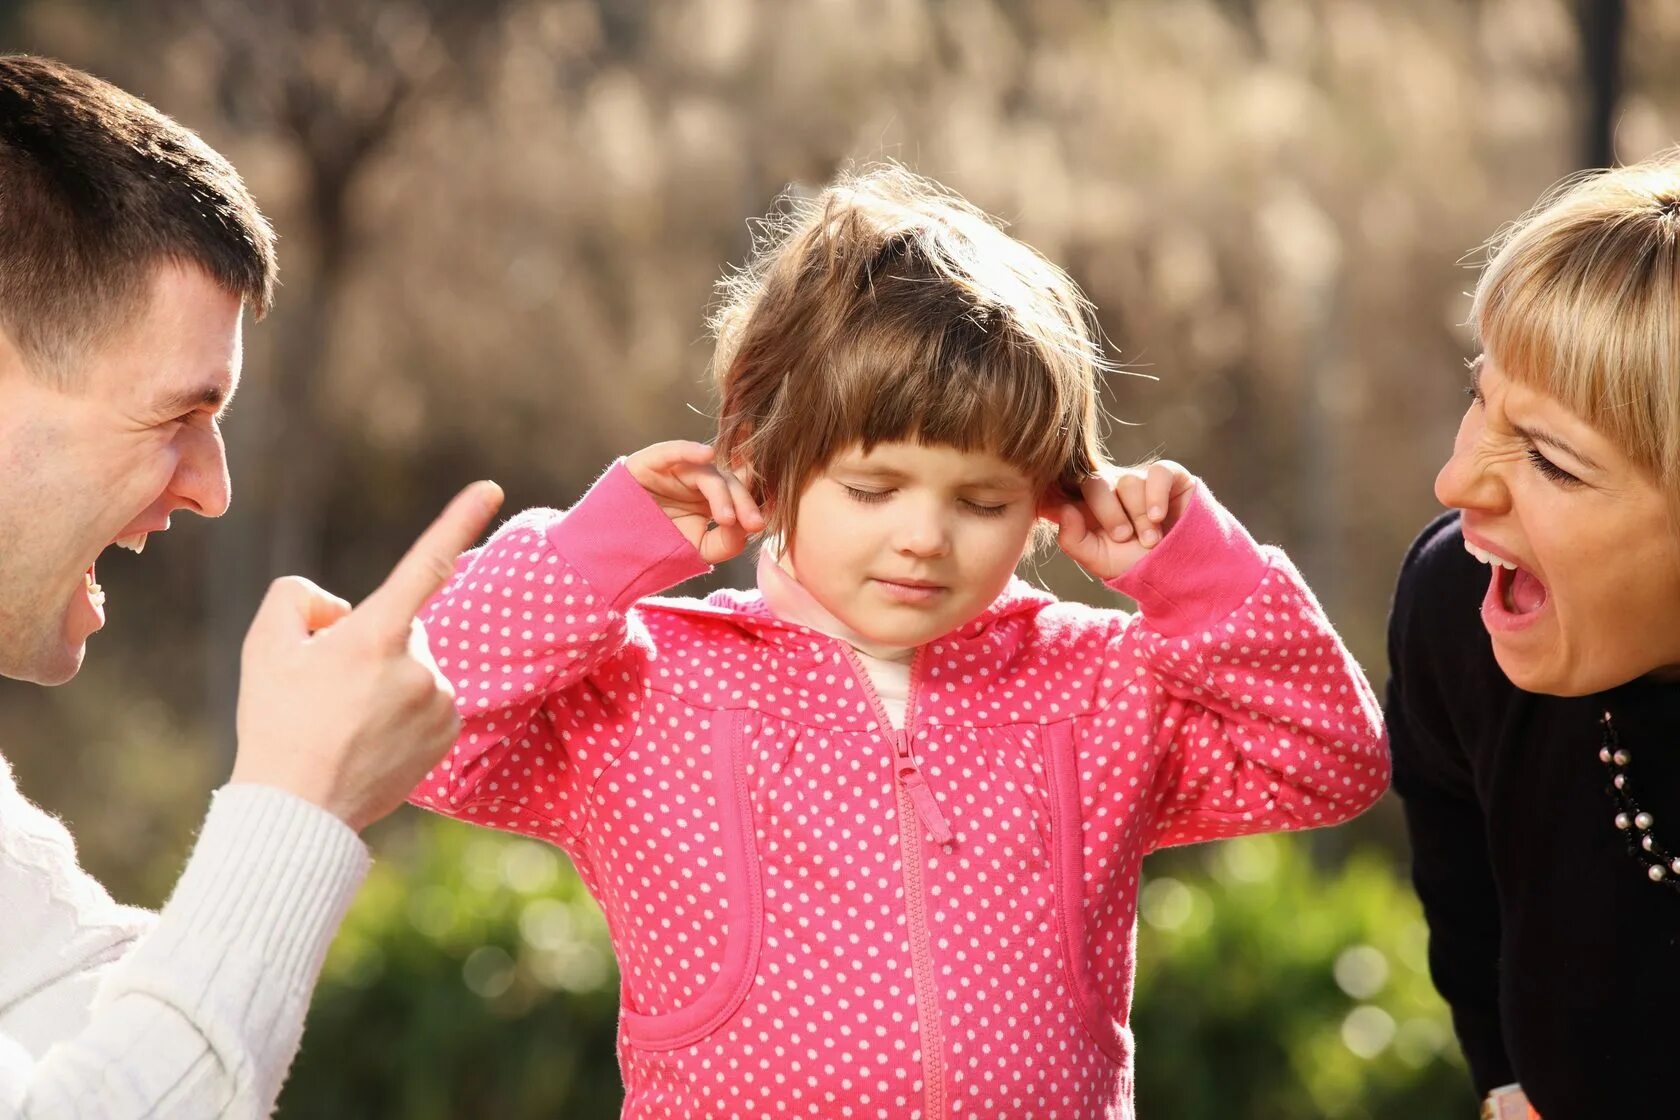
982,509
1550,469
868,497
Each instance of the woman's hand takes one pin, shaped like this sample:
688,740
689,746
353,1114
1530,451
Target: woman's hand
711,507
1121,515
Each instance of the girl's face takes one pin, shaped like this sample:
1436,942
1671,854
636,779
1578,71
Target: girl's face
1594,598
909,542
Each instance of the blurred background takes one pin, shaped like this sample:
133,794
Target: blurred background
500,223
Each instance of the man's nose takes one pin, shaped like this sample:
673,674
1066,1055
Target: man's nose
201,481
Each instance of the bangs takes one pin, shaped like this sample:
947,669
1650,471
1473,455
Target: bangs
1589,314
968,388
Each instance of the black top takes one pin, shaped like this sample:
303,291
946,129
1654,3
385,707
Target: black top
1558,954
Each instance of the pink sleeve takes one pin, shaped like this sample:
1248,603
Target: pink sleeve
535,635
1255,716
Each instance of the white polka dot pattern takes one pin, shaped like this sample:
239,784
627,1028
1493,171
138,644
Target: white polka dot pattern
727,788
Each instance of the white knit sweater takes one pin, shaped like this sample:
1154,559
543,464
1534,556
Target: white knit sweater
112,1012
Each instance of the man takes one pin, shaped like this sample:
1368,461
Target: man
128,250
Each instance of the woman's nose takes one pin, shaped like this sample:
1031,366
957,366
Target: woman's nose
1462,483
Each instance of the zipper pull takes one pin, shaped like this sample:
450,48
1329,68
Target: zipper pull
927,806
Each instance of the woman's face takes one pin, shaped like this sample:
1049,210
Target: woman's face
1584,579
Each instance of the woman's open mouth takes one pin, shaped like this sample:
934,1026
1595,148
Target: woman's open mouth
1516,598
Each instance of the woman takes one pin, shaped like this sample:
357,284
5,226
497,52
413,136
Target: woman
1534,709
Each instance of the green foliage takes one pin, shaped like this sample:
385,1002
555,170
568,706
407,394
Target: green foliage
1269,989
474,978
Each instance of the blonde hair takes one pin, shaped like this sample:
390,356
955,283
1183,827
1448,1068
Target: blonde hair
887,308
1581,300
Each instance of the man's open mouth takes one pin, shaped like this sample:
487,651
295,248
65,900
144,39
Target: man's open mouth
134,542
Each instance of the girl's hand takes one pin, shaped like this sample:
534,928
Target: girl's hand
1123,513
710,506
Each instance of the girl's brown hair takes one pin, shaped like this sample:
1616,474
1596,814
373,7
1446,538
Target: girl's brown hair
887,308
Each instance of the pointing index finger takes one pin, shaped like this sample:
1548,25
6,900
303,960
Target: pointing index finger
430,561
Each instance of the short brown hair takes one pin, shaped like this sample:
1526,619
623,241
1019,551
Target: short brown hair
1581,300
887,308
96,189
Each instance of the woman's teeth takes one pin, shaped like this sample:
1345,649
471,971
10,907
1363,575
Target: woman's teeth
1487,557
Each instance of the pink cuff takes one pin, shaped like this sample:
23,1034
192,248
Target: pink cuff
619,540
1204,568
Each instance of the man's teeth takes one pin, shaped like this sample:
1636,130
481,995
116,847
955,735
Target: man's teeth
135,543
95,593
1487,557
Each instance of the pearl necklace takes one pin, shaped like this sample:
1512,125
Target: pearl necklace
1661,865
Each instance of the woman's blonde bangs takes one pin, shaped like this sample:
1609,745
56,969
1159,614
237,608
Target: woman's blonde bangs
1581,301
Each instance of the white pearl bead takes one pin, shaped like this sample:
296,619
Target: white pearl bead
1622,820
1643,821
1656,874
1620,780
1621,758
1674,866
1604,754
1648,843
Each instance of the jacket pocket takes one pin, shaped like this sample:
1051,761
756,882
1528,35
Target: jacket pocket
670,1030
1068,879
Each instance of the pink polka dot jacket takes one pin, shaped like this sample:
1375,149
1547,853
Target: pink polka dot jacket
816,915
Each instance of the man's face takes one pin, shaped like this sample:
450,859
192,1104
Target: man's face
110,459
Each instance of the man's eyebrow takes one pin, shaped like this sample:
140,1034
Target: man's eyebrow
1557,442
209,395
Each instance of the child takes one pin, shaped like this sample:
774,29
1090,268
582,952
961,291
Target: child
868,838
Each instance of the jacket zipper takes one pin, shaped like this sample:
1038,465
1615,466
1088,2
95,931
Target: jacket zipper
916,803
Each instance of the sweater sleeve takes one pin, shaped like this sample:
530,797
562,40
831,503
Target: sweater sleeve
1255,715
1444,820
536,634
203,1015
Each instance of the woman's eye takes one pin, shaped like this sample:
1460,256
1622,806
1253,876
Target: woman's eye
866,496
1550,469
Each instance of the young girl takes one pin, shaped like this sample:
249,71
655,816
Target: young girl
867,838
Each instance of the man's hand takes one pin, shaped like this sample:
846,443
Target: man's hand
345,707
1122,514
711,507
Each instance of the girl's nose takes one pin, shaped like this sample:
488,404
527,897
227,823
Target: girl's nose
923,533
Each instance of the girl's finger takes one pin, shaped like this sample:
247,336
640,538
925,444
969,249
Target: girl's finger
712,487
722,542
747,513
1158,490
1105,509
1131,491
664,460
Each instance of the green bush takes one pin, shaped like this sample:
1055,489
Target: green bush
1269,989
474,978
